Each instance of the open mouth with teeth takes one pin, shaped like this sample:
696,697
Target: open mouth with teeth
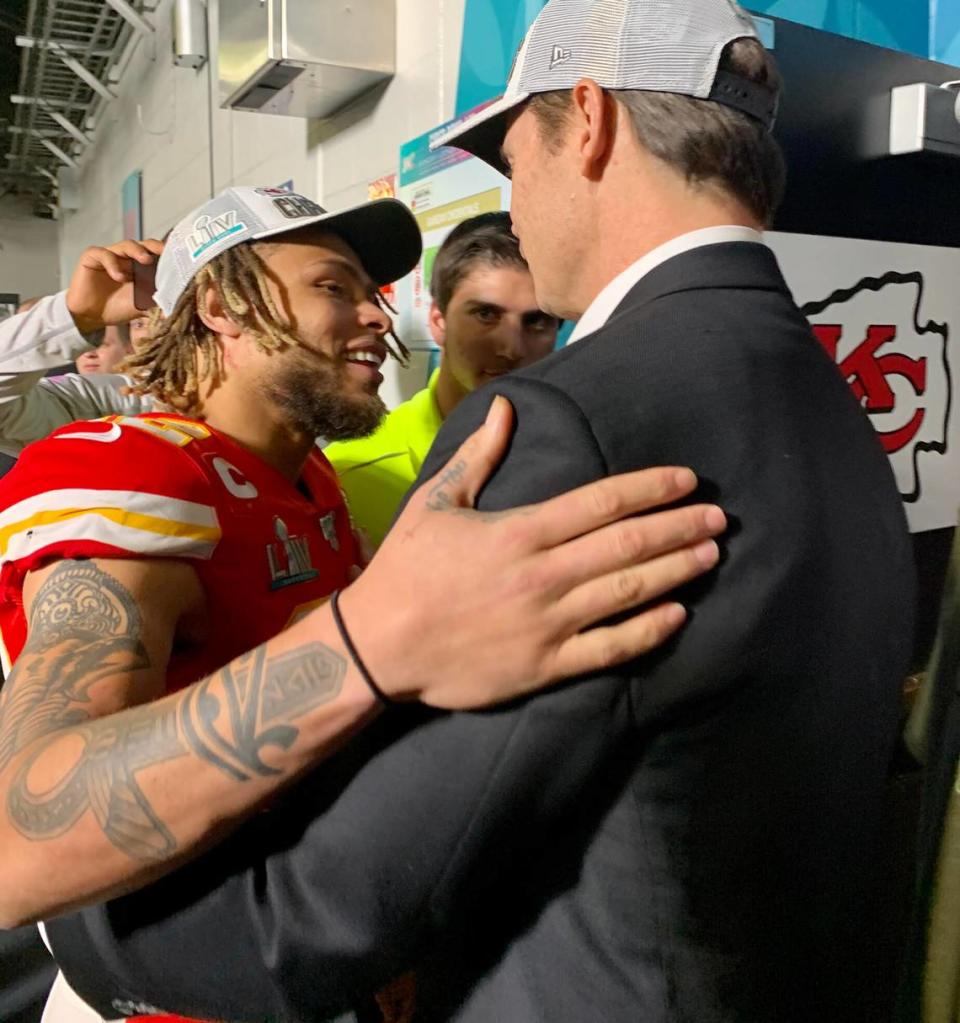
363,364
368,358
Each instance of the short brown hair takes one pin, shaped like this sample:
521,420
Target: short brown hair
702,140
487,239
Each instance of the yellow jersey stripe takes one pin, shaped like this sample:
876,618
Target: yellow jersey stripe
73,498
121,517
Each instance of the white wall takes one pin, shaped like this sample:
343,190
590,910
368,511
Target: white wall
165,116
29,263
363,142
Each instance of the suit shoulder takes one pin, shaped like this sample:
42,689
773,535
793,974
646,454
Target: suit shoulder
553,447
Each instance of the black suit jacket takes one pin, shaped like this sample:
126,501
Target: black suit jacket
687,838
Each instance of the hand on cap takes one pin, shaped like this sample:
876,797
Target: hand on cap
461,608
101,289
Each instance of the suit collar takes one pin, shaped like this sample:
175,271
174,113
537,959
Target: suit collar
741,265
604,304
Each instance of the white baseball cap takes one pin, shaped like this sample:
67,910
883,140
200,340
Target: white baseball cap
647,45
383,233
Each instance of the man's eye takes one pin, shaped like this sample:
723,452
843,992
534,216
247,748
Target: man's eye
331,288
486,315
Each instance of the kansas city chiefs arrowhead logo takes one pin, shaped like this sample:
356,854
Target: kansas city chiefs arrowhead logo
895,363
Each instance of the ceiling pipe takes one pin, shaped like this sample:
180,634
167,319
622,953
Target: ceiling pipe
82,73
129,15
59,153
61,44
68,126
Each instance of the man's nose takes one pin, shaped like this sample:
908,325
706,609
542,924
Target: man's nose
509,341
374,317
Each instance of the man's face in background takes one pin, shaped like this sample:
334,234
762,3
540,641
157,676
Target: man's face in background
108,355
492,325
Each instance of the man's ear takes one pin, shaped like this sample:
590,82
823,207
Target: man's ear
438,325
215,316
595,114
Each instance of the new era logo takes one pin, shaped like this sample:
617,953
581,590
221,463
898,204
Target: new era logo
559,56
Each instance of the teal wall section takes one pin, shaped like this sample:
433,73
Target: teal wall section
945,31
493,29
492,32
896,24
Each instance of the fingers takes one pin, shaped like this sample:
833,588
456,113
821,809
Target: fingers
144,252
632,541
117,267
460,480
615,644
640,584
604,501
115,259
153,245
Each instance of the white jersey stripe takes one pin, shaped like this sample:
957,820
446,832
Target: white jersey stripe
157,505
190,543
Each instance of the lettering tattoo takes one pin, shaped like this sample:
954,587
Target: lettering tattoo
440,499
85,627
231,717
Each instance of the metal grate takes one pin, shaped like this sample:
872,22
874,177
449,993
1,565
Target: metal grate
66,54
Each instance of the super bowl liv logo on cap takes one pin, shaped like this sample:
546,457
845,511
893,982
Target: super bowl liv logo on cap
208,231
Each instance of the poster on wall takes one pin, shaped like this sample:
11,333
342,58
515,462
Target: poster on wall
442,188
886,314
131,201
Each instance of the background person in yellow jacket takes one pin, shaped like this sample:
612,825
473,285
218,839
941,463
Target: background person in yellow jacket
486,320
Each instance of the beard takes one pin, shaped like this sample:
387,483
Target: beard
317,399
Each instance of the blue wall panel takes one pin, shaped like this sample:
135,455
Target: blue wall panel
493,29
945,34
492,33
896,24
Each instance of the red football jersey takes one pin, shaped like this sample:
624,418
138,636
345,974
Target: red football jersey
167,486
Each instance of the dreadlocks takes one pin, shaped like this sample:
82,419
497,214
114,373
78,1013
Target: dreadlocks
181,350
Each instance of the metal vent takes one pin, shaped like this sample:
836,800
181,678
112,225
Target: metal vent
300,58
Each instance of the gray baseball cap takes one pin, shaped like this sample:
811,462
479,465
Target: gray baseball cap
383,233
647,45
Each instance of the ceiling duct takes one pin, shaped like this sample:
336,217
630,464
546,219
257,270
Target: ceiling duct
303,59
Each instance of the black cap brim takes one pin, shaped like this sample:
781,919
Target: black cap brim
482,133
385,236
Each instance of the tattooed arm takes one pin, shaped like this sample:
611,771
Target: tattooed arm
92,801
97,800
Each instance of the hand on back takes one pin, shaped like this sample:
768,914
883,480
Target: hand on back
462,608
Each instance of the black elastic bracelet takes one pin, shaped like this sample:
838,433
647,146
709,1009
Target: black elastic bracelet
352,651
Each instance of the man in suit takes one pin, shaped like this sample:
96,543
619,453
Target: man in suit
687,838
